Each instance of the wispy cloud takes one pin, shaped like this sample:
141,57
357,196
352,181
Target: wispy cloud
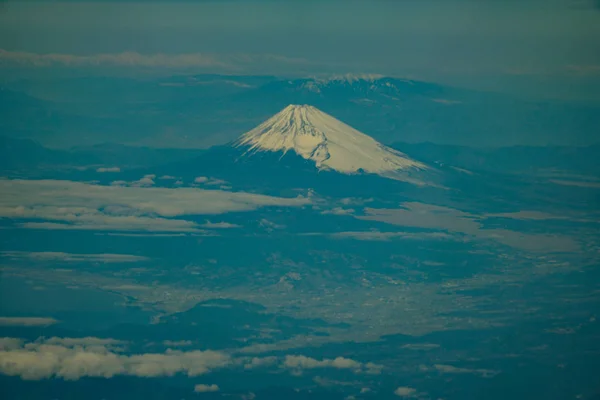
70,257
26,321
219,225
132,59
125,59
584,70
177,343
584,184
385,236
450,369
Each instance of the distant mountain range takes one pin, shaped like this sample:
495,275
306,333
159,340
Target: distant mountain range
18,156
27,155
206,110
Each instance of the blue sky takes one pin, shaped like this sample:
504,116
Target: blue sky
482,43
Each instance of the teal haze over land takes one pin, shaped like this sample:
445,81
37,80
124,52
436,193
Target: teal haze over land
331,200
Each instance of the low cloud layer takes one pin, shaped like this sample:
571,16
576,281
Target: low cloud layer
77,205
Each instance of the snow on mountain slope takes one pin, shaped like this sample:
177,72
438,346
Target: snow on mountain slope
328,142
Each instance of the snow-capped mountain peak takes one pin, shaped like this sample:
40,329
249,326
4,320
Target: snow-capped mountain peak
330,143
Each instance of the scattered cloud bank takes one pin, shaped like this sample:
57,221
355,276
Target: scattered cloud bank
26,321
206,388
77,205
70,257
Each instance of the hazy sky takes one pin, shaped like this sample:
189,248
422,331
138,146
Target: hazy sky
483,42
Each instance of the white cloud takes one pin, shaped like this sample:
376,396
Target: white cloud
26,321
339,211
206,388
119,183
405,391
219,225
72,359
108,169
216,182
70,257
300,362
146,180
307,362
373,369
201,179
76,205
